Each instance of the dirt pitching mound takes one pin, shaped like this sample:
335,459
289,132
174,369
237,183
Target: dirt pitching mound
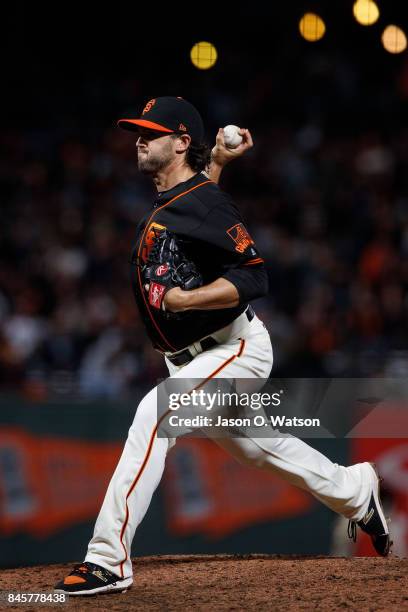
232,582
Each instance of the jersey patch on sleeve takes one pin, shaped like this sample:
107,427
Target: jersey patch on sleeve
240,236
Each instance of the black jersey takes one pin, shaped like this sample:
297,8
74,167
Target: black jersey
214,237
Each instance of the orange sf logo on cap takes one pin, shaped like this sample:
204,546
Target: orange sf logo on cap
149,106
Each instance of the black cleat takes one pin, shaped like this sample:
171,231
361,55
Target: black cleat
374,522
91,579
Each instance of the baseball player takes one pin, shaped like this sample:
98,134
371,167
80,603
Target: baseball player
205,328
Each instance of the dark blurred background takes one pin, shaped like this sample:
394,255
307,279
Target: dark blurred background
324,190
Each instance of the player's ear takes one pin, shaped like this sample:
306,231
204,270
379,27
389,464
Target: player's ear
182,143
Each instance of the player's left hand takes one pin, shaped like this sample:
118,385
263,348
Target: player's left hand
221,155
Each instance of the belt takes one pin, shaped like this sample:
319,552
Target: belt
185,356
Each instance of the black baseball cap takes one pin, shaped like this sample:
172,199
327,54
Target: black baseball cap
169,115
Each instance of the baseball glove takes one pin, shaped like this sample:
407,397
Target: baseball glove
167,267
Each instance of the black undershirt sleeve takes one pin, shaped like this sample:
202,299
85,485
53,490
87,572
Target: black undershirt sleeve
250,284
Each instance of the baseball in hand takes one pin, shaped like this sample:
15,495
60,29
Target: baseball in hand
232,138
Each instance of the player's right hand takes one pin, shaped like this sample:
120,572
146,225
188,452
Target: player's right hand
221,155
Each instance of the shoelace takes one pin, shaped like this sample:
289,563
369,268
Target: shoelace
352,530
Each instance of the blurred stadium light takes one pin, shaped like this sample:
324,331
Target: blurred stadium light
203,55
394,39
312,27
366,12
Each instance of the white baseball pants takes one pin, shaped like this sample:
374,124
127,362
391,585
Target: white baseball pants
245,352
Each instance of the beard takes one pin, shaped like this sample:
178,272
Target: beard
152,163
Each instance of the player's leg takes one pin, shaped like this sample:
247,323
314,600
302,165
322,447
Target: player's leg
127,499
342,489
352,491
132,485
